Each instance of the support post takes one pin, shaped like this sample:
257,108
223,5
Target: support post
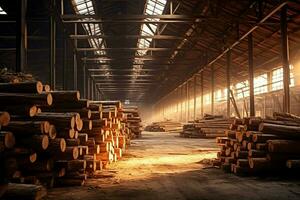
21,36
195,97
64,62
181,99
75,59
52,46
285,59
202,89
88,87
251,75
228,81
212,89
187,101
84,76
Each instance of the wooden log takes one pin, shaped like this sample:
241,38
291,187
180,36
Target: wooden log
24,87
241,154
91,165
230,134
73,142
261,146
281,158
242,163
37,142
23,191
27,110
38,166
65,96
293,164
56,145
7,139
21,154
83,137
257,153
64,120
280,130
25,99
284,146
118,104
259,163
47,88
71,165
66,133
4,118
81,104
83,150
87,125
22,128
71,153
83,113
262,138
95,115
251,146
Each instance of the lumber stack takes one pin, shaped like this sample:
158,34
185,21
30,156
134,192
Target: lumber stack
164,126
133,121
257,146
54,138
208,127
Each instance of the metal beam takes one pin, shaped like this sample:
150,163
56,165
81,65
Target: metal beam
75,75
127,37
21,36
122,75
52,45
212,90
136,49
251,75
202,93
228,67
285,59
195,96
122,70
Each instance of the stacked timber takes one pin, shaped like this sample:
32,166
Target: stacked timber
54,138
133,121
12,77
208,127
164,126
257,146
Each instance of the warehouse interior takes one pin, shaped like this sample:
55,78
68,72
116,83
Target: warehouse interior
149,99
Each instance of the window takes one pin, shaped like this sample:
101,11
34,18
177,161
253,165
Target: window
2,12
260,84
242,89
277,78
207,99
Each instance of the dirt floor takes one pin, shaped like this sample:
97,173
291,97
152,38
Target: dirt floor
165,166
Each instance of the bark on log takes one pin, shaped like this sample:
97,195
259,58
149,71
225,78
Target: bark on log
21,128
27,110
280,130
25,99
7,139
24,87
73,142
284,146
4,118
24,191
36,142
293,164
65,96
71,153
56,145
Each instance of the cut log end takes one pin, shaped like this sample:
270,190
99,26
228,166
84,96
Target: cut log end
39,87
52,132
4,118
49,99
32,157
33,111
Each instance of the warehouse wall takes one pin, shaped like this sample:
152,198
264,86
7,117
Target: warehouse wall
179,105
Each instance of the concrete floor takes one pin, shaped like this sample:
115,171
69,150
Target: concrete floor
165,166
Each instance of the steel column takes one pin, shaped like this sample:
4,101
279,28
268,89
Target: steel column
52,45
187,101
75,59
202,89
64,62
285,59
88,87
21,36
251,75
228,66
195,97
84,76
212,89
181,99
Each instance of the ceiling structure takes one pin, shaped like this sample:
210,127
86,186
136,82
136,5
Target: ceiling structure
141,50
154,45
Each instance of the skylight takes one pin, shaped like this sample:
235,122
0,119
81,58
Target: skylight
153,7
85,7
2,12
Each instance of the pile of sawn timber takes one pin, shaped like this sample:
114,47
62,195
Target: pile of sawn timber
256,146
208,127
164,126
54,138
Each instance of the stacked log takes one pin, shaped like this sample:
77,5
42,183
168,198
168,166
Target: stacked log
257,146
132,120
208,127
165,126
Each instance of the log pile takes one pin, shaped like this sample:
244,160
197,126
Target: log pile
54,138
208,127
256,146
133,121
164,126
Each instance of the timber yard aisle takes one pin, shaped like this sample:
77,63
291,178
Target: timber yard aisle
165,166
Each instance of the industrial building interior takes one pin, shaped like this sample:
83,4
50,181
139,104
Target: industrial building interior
150,99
